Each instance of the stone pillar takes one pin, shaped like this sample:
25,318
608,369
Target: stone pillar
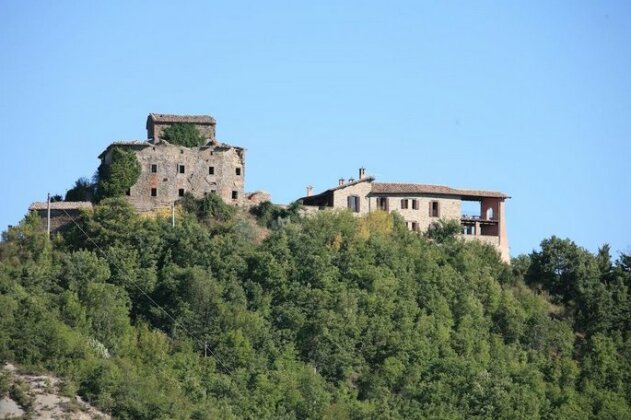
503,237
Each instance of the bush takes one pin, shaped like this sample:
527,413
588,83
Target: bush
183,134
20,392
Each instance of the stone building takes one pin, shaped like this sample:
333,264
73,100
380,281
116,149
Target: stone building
421,205
62,213
169,171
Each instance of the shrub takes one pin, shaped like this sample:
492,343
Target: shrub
183,134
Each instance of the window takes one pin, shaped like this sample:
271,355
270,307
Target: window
415,226
180,192
238,171
353,203
154,168
128,192
235,195
182,169
211,170
468,229
404,203
154,192
434,209
382,203
415,204
213,191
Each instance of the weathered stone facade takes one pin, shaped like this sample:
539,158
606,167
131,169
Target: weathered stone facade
169,171
420,206
62,213
156,123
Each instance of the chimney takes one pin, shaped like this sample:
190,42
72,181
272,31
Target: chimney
350,180
309,191
362,173
341,182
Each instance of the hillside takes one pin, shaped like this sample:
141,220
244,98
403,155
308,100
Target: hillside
40,396
329,316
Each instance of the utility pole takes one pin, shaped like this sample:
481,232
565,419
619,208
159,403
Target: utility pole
48,218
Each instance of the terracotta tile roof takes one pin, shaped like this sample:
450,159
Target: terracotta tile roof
339,187
171,118
61,205
348,184
397,188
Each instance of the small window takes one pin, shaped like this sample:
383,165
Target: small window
182,169
415,226
468,229
404,203
238,171
211,170
382,203
128,192
353,203
154,168
434,209
180,192
235,195
415,204
154,192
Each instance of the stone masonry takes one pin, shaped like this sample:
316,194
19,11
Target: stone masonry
420,205
169,171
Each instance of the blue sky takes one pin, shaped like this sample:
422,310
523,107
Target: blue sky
529,98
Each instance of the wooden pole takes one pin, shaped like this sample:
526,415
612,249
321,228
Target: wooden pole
48,218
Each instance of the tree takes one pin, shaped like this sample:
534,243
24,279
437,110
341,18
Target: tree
115,178
443,230
83,190
183,134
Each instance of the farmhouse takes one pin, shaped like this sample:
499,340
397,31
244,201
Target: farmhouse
421,205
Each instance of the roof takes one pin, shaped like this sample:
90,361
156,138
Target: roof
61,205
171,118
339,187
397,188
141,143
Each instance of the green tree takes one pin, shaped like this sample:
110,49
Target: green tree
115,178
443,230
83,190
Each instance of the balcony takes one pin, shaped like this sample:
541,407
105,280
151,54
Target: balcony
476,218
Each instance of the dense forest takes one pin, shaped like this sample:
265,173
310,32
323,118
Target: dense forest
269,314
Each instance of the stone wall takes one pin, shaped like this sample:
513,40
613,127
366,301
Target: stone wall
60,220
360,189
448,208
169,180
492,240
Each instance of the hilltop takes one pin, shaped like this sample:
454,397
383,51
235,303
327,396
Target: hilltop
274,315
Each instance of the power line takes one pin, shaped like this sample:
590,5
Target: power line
200,342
